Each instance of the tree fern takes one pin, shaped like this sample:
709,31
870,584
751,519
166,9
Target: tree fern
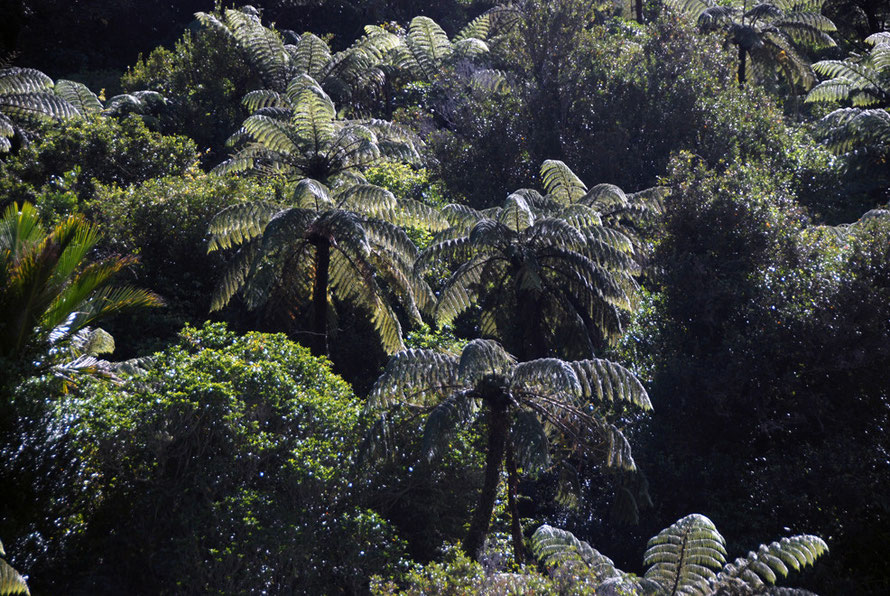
332,243
528,405
864,83
26,97
547,260
769,33
688,557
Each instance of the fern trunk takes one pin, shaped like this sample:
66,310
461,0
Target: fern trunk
743,55
498,428
639,10
512,489
319,342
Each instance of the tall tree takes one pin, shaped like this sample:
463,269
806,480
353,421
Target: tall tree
530,407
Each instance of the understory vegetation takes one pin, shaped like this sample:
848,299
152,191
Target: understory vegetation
454,297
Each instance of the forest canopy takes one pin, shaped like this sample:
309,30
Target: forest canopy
364,297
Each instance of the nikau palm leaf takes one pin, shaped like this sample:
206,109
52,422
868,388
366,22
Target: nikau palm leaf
47,291
11,581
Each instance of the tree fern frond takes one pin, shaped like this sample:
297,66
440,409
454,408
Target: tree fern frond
561,183
456,296
685,554
459,249
482,357
425,34
605,381
312,55
416,377
236,273
239,223
757,570
516,214
546,374
478,28
444,419
79,96
367,199
555,548
530,443
469,48
36,106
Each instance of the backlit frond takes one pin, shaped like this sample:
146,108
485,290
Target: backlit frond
79,96
416,377
239,223
561,183
555,548
530,443
760,568
685,554
443,421
605,381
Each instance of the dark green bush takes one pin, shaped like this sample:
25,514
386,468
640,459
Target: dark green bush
226,469
58,172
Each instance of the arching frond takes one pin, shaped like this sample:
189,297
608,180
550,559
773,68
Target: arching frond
311,55
556,548
685,554
482,357
79,96
516,214
605,381
547,375
443,421
561,183
530,443
239,223
425,34
760,568
416,377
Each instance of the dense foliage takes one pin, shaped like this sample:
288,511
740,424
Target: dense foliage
513,241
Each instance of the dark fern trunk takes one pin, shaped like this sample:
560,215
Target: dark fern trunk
639,10
498,428
512,489
743,55
319,341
